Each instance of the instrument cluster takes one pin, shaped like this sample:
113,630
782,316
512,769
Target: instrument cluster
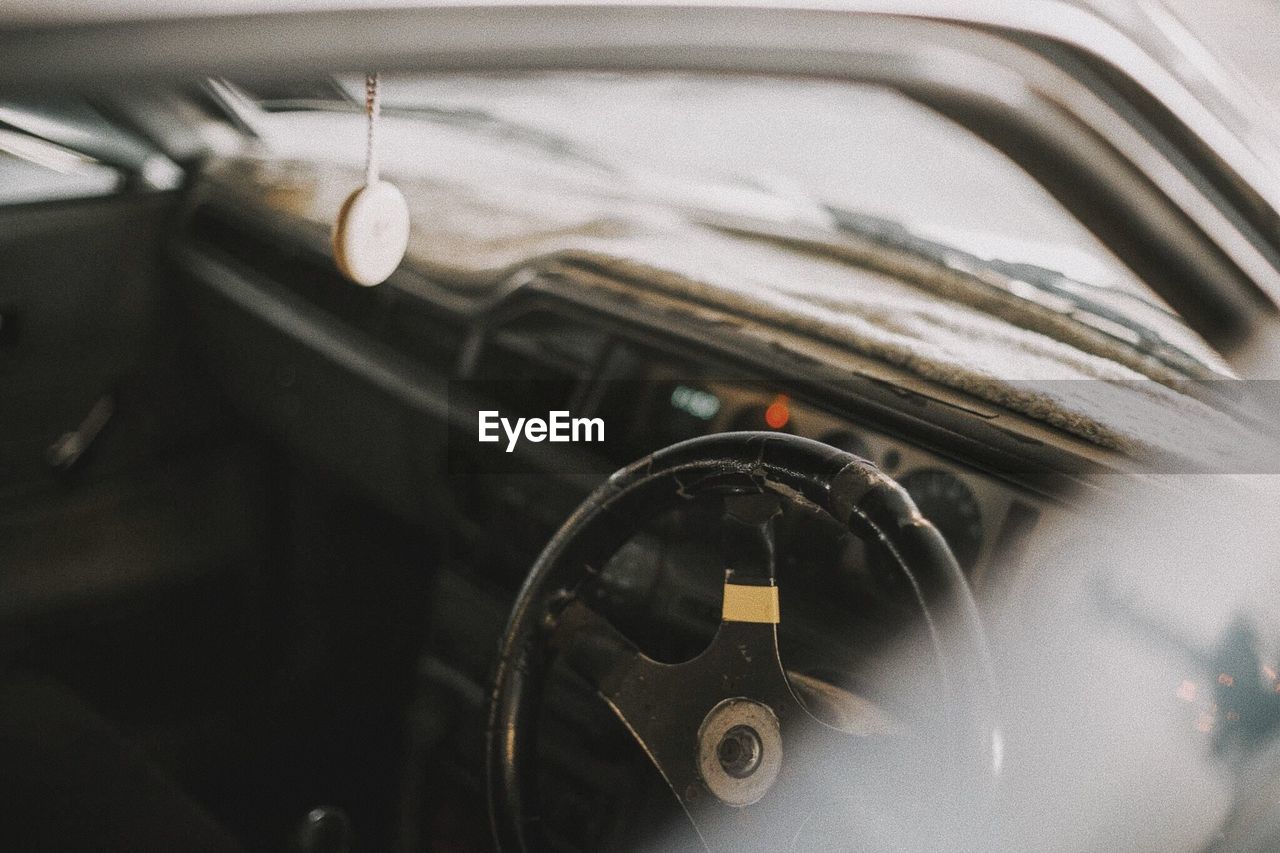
978,516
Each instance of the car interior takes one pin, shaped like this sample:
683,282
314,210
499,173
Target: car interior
262,588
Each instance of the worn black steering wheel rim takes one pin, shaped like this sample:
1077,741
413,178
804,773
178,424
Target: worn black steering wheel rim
851,489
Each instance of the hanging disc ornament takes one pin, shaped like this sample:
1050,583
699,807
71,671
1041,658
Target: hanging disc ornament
372,230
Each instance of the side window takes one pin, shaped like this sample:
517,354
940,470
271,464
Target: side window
35,170
63,148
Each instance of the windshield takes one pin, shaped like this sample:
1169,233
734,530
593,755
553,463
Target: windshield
821,165
861,148
791,149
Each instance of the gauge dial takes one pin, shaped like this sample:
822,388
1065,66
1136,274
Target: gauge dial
946,501
848,441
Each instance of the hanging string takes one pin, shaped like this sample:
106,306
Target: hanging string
372,111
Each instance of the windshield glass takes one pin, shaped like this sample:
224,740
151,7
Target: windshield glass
858,147
823,164
862,148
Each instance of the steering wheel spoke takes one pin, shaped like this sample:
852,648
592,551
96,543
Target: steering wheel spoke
715,725
595,649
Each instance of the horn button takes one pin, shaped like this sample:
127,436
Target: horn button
739,751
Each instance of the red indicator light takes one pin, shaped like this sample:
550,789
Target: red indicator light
778,413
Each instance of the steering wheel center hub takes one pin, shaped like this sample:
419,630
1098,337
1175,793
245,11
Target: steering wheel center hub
739,751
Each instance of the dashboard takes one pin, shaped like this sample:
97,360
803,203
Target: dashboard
536,352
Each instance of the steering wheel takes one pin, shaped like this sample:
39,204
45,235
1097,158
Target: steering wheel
730,732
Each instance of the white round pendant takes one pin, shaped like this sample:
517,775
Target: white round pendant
371,234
